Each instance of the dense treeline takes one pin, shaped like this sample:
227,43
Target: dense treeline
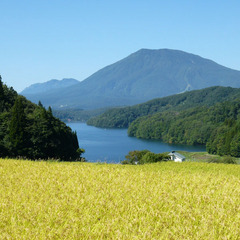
145,156
217,127
122,117
31,131
76,115
225,140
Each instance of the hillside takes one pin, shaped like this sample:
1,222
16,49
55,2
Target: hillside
122,117
31,131
217,127
142,76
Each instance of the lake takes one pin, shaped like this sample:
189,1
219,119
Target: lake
112,145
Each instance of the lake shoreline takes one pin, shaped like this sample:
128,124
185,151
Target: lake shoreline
112,145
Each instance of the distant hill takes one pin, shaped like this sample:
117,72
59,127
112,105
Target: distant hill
142,76
53,84
122,117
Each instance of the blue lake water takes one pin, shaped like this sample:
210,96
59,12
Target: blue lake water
112,145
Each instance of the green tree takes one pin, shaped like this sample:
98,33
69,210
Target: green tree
144,156
40,104
17,129
235,145
1,95
151,157
50,110
134,157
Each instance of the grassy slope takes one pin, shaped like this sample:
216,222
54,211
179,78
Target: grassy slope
203,157
44,200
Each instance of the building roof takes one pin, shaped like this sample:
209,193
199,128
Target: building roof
176,155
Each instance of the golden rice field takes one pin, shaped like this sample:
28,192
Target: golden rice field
47,200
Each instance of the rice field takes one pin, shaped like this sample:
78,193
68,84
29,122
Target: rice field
51,200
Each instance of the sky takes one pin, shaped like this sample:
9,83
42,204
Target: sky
55,39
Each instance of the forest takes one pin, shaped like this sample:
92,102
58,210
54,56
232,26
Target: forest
30,131
122,117
217,127
76,115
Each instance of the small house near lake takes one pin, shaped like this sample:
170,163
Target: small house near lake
176,157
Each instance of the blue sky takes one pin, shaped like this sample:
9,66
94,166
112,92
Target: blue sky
55,39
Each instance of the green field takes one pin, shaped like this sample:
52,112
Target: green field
205,157
51,200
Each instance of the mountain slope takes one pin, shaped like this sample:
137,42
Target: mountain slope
144,75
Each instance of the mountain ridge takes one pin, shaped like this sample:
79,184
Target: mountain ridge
142,76
49,85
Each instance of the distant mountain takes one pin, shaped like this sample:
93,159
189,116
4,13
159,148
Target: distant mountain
142,76
53,84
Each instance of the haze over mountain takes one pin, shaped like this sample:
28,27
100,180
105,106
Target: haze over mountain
142,76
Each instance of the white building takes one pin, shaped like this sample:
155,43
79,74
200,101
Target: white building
176,157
